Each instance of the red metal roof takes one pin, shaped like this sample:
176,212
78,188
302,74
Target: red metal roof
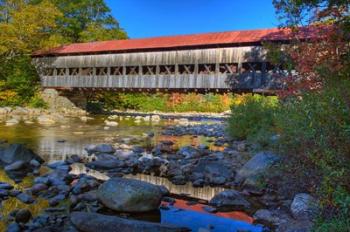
178,42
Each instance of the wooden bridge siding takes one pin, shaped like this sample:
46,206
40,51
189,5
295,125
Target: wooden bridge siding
201,81
195,80
200,56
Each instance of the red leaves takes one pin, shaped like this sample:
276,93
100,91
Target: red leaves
316,60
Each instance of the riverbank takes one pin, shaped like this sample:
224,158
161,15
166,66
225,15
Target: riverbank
219,172
171,115
13,116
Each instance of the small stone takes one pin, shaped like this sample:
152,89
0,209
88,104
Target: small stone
111,123
230,200
34,163
209,209
4,193
37,188
23,216
6,186
304,206
13,227
12,122
25,198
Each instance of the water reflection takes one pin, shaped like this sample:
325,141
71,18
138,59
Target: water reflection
205,193
13,203
56,141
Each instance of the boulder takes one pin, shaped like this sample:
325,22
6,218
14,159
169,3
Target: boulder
230,200
13,227
25,198
15,166
37,188
18,152
23,216
189,152
256,165
127,195
101,148
12,122
216,172
20,111
266,216
91,222
111,123
4,111
46,120
304,206
5,186
105,164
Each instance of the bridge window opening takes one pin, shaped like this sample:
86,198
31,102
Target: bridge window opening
61,72
87,71
149,70
101,71
186,69
49,72
206,68
228,68
117,71
132,70
167,69
73,71
252,67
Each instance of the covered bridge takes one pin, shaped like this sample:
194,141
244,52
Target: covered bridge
200,62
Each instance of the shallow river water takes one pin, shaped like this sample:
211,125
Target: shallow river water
56,142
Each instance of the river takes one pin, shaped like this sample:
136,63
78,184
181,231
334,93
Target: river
56,142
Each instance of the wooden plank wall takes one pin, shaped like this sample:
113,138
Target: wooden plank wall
138,82
175,80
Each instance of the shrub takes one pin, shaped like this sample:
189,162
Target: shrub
174,102
37,102
252,118
315,134
9,98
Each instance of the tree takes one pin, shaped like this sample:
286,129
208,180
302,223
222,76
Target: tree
28,27
87,20
323,59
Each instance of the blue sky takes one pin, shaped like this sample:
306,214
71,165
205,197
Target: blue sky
148,18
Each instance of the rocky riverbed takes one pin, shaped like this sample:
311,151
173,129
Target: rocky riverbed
107,183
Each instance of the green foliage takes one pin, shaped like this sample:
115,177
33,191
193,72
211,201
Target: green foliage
85,20
19,81
338,224
253,118
28,26
37,102
315,133
166,102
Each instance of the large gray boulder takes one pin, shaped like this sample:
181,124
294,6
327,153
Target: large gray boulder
92,222
256,165
127,195
230,200
215,172
18,152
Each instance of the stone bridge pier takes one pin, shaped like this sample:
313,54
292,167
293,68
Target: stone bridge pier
69,103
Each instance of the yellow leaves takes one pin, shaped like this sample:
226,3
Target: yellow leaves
5,95
30,27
